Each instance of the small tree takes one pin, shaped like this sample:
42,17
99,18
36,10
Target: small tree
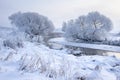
32,23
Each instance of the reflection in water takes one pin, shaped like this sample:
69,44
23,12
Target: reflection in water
113,54
99,52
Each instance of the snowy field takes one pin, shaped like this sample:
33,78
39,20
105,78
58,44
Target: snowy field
38,62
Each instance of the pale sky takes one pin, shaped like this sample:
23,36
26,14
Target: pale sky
61,10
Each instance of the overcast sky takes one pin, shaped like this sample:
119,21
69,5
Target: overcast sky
61,10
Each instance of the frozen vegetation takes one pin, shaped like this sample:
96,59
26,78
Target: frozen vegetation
25,53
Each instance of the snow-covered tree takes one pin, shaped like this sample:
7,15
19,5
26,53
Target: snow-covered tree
13,41
32,23
99,21
92,27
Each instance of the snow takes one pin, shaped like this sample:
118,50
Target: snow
62,41
38,62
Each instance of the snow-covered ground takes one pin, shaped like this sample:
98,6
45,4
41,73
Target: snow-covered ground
35,61
38,62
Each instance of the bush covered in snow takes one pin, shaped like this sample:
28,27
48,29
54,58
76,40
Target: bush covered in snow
92,27
13,42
